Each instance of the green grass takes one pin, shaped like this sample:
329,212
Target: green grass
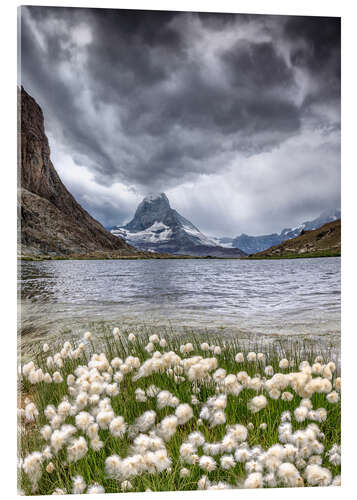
91,467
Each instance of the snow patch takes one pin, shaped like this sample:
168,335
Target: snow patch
204,240
157,233
220,243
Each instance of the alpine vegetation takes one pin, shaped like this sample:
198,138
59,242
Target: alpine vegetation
145,413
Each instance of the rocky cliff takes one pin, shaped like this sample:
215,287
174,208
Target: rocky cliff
51,222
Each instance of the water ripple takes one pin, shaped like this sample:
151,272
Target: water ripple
287,296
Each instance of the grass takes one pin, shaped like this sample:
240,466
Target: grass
306,255
92,466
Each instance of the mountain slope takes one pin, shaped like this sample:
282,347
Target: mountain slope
325,240
51,221
159,228
254,244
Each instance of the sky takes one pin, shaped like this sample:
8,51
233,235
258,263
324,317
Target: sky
235,117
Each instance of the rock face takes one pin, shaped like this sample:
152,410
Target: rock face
52,223
254,244
157,227
319,242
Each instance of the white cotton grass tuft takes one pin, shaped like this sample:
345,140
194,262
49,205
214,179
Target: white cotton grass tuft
77,449
83,420
87,336
79,485
203,483
239,358
333,397
165,399
59,491
140,395
32,466
269,371
184,472
317,476
95,488
207,463
31,412
154,338
283,364
186,348
287,396
50,467
301,413
254,480
289,475
257,403
168,427
227,462
117,427
183,413
196,438
126,485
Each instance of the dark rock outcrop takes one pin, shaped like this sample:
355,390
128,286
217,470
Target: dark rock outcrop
52,223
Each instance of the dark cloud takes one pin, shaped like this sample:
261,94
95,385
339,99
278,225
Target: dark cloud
155,100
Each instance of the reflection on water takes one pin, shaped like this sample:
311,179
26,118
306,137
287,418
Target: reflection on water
260,297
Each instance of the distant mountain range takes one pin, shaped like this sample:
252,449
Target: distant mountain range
157,227
254,244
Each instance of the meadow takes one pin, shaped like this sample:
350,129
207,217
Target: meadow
123,412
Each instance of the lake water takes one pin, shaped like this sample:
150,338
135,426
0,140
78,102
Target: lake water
263,297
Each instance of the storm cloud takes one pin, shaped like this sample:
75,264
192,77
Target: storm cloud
235,117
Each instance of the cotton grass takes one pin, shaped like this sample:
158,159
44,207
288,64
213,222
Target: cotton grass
151,413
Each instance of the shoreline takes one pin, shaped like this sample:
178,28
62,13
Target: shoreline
320,255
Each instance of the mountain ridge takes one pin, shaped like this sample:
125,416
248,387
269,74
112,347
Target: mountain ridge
254,244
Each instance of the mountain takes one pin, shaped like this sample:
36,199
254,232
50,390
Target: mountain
159,228
254,244
51,222
324,241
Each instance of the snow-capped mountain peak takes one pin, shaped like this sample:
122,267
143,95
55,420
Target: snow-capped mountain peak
156,226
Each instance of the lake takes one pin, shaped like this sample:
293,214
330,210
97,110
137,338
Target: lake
262,297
